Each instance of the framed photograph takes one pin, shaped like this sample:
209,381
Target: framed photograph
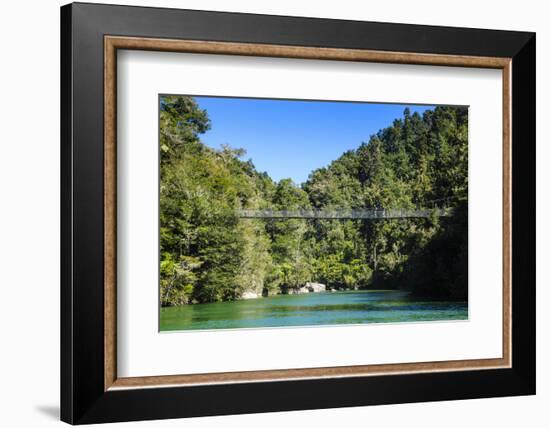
265,213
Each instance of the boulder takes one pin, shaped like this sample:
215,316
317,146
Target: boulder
310,287
301,290
315,287
250,295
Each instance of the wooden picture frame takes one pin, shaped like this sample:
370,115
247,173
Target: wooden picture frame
91,390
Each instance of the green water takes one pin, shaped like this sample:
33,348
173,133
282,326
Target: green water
348,307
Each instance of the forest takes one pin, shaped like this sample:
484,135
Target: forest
209,254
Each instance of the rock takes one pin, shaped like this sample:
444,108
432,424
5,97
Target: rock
310,287
315,287
249,295
301,290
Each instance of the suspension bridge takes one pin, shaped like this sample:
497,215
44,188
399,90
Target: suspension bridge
438,208
361,214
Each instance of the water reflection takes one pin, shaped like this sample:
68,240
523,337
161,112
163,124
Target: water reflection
353,307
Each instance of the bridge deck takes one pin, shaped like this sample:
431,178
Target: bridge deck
365,214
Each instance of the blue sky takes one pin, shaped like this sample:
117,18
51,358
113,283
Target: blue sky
289,139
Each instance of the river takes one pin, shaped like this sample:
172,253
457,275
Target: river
347,307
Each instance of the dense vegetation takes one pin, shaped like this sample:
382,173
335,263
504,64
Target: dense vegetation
209,254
